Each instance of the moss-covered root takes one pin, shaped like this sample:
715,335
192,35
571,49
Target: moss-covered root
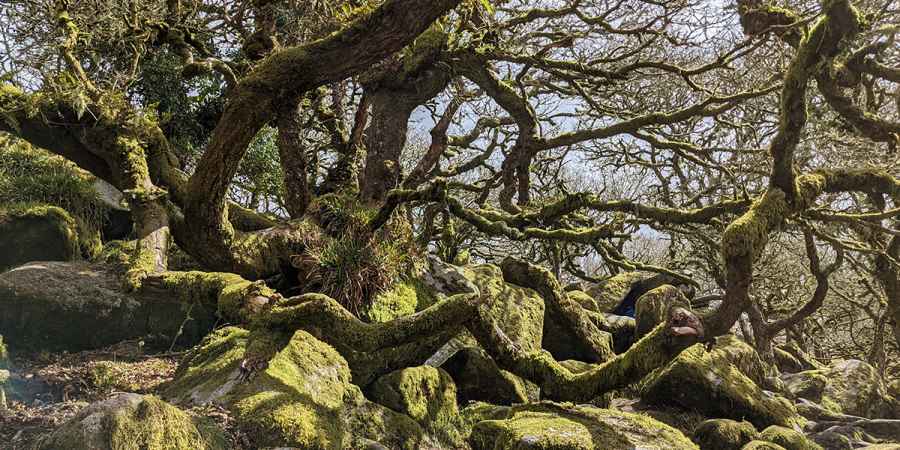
788,438
563,309
234,298
660,346
724,434
132,421
320,312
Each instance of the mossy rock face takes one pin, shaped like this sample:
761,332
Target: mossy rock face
718,383
425,393
479,378
846,387
762,445
73,306
724,434
652,308
832,441
303,398
36,233
554,426
788,438
809,385
133,421
858,389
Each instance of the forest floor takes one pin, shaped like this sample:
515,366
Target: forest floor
49,388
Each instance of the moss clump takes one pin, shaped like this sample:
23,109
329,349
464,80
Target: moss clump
555,426
724,434
788,438
404,298
132,421
711,383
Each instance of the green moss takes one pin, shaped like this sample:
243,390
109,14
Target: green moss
300,396
788,438
762,445
131,421
401,300
612,290
552,426
33,176
653,307
520,311
234,297
709,382
425,393
724,434
4,354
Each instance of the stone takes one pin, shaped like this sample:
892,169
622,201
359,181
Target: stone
548,426
788,438
74,306
722,382
133,421
301,397
479,378
425,393
762,445
850,387
36,233
724,434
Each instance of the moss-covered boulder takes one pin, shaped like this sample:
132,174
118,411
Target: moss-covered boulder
554,426
301,397
788,438
132,421
519,311
425,393
808,385
721,382
653,307
830,440
850,387
36,233
724,434
762,445
73,306
609,292
479,378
